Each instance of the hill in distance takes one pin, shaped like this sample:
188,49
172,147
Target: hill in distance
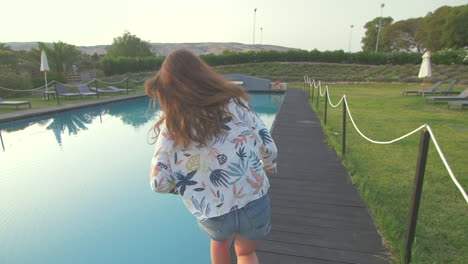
166,48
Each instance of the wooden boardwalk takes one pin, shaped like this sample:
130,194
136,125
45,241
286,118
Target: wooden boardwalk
318,216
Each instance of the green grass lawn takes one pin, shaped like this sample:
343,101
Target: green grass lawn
385,174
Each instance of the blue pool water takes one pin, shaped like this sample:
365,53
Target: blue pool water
74,188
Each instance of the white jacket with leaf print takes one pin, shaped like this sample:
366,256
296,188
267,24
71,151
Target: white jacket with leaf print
223,176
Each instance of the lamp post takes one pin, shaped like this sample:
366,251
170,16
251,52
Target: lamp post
261,35
350,35
255,13
380,25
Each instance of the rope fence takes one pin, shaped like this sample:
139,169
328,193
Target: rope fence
313,84
69,85
28,90
112,83
426,135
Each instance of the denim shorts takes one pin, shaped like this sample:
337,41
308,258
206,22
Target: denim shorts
251,222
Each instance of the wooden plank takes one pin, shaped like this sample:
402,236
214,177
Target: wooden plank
320,222
274,258
323,237
322,253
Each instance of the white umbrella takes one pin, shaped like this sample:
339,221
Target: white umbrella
425,70
44,67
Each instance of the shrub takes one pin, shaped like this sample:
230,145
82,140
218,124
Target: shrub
121,65
8,58
40,81
449,56
11,80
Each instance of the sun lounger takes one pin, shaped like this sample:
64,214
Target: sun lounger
84,90
103,91
461,104
118,89
15,103
463,95
419,91
61,90
446,91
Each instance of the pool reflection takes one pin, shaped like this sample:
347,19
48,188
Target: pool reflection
135,113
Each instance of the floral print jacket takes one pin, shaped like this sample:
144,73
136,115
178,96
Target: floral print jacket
223,176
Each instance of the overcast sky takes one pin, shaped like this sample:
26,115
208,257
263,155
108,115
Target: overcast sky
304,24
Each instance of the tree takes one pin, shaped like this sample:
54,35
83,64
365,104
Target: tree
60,55
401,36
8,58
129,45
370,39
430,33
455,29
4,46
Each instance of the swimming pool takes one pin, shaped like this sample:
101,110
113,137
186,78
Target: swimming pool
74,188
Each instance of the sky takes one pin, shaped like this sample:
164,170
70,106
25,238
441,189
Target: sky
303,24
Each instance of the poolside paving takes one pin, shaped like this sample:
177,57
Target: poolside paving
63,107
318,215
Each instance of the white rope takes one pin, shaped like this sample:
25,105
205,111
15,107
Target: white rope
90,81
375,141
137,81
316,85
329,100
320,89
28,90
441,154
113,82
454,179
69,85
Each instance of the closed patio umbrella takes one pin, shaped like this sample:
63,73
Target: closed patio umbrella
44,67
425,70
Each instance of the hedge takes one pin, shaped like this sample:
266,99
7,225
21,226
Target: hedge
120,65
11,80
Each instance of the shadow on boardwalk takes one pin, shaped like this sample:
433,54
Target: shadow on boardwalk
318,216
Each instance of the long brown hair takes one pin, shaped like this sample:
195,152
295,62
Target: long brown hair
192,97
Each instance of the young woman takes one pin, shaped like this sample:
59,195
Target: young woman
213,150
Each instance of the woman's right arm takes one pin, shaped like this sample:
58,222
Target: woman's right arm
161,177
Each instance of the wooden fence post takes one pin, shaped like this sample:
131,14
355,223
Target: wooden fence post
417,191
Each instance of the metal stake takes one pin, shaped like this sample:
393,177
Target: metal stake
326,103
304,83
318,95
312,89
417,191
56,93
97,88
343,143
127,85
1,138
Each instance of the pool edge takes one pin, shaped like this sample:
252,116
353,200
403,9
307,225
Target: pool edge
30,113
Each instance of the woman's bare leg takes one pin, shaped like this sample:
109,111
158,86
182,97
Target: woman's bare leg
220,253
245,250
